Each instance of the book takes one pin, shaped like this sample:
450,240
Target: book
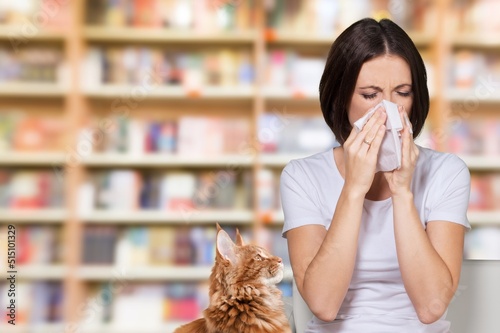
24,189
193,69
125,309
99,244
57,14
176,191
38,245
20,131
294,135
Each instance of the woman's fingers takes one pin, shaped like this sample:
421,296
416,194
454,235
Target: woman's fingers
408,147
377,140
371,128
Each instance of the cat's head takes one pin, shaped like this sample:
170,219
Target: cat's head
246,263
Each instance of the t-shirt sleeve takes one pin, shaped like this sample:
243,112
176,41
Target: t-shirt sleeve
296,200
453,200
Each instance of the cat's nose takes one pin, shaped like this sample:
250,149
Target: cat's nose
279,260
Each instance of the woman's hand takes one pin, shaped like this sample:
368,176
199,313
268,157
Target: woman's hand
400,180
360,153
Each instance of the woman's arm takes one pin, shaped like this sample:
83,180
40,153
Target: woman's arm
429,260
323,261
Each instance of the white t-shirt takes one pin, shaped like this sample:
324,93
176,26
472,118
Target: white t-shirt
376,300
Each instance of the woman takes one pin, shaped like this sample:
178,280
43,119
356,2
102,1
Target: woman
375,251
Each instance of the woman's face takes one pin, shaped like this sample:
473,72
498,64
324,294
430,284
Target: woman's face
385,77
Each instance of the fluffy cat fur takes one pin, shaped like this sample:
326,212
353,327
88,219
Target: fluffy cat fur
243,293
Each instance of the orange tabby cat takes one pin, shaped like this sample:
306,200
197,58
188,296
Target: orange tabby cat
243,293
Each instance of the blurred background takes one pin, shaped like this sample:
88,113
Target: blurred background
128,128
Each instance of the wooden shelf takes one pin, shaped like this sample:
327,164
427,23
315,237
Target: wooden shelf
32,328
479,163
104,328
468,95
288,94
165,160
297,39
32,89
279,160
160,273
281,37
29,216
484,218
476,40
47,159
24,33
241,217
277,217
37,272
142,327
163,273
172,92
151,35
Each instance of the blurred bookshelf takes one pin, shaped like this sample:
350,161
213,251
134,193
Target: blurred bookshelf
151,120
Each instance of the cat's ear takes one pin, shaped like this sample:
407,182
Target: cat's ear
239,239
225,247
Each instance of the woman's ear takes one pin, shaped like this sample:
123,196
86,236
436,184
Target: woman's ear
226,249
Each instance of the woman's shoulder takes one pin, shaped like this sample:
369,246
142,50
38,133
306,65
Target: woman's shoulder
314,163
432,159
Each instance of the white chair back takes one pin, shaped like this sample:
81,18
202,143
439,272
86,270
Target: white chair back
301,313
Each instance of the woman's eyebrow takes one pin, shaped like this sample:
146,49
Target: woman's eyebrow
403,85
371,87
380,89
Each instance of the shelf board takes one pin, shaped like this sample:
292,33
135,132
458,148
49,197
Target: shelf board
165,160
279,160
164,273
153,35
297,39
25,34
481,162
107,91
484,218
93,328
468,95
274,218
32,328
32,159
37,272
28,216
162,217
282,37
289,94
31,89
476,40
139,327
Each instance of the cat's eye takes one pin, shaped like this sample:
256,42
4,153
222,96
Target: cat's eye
258,257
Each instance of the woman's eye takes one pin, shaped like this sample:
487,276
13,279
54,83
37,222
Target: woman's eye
404,94
371,96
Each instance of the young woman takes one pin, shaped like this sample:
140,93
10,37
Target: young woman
375,251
